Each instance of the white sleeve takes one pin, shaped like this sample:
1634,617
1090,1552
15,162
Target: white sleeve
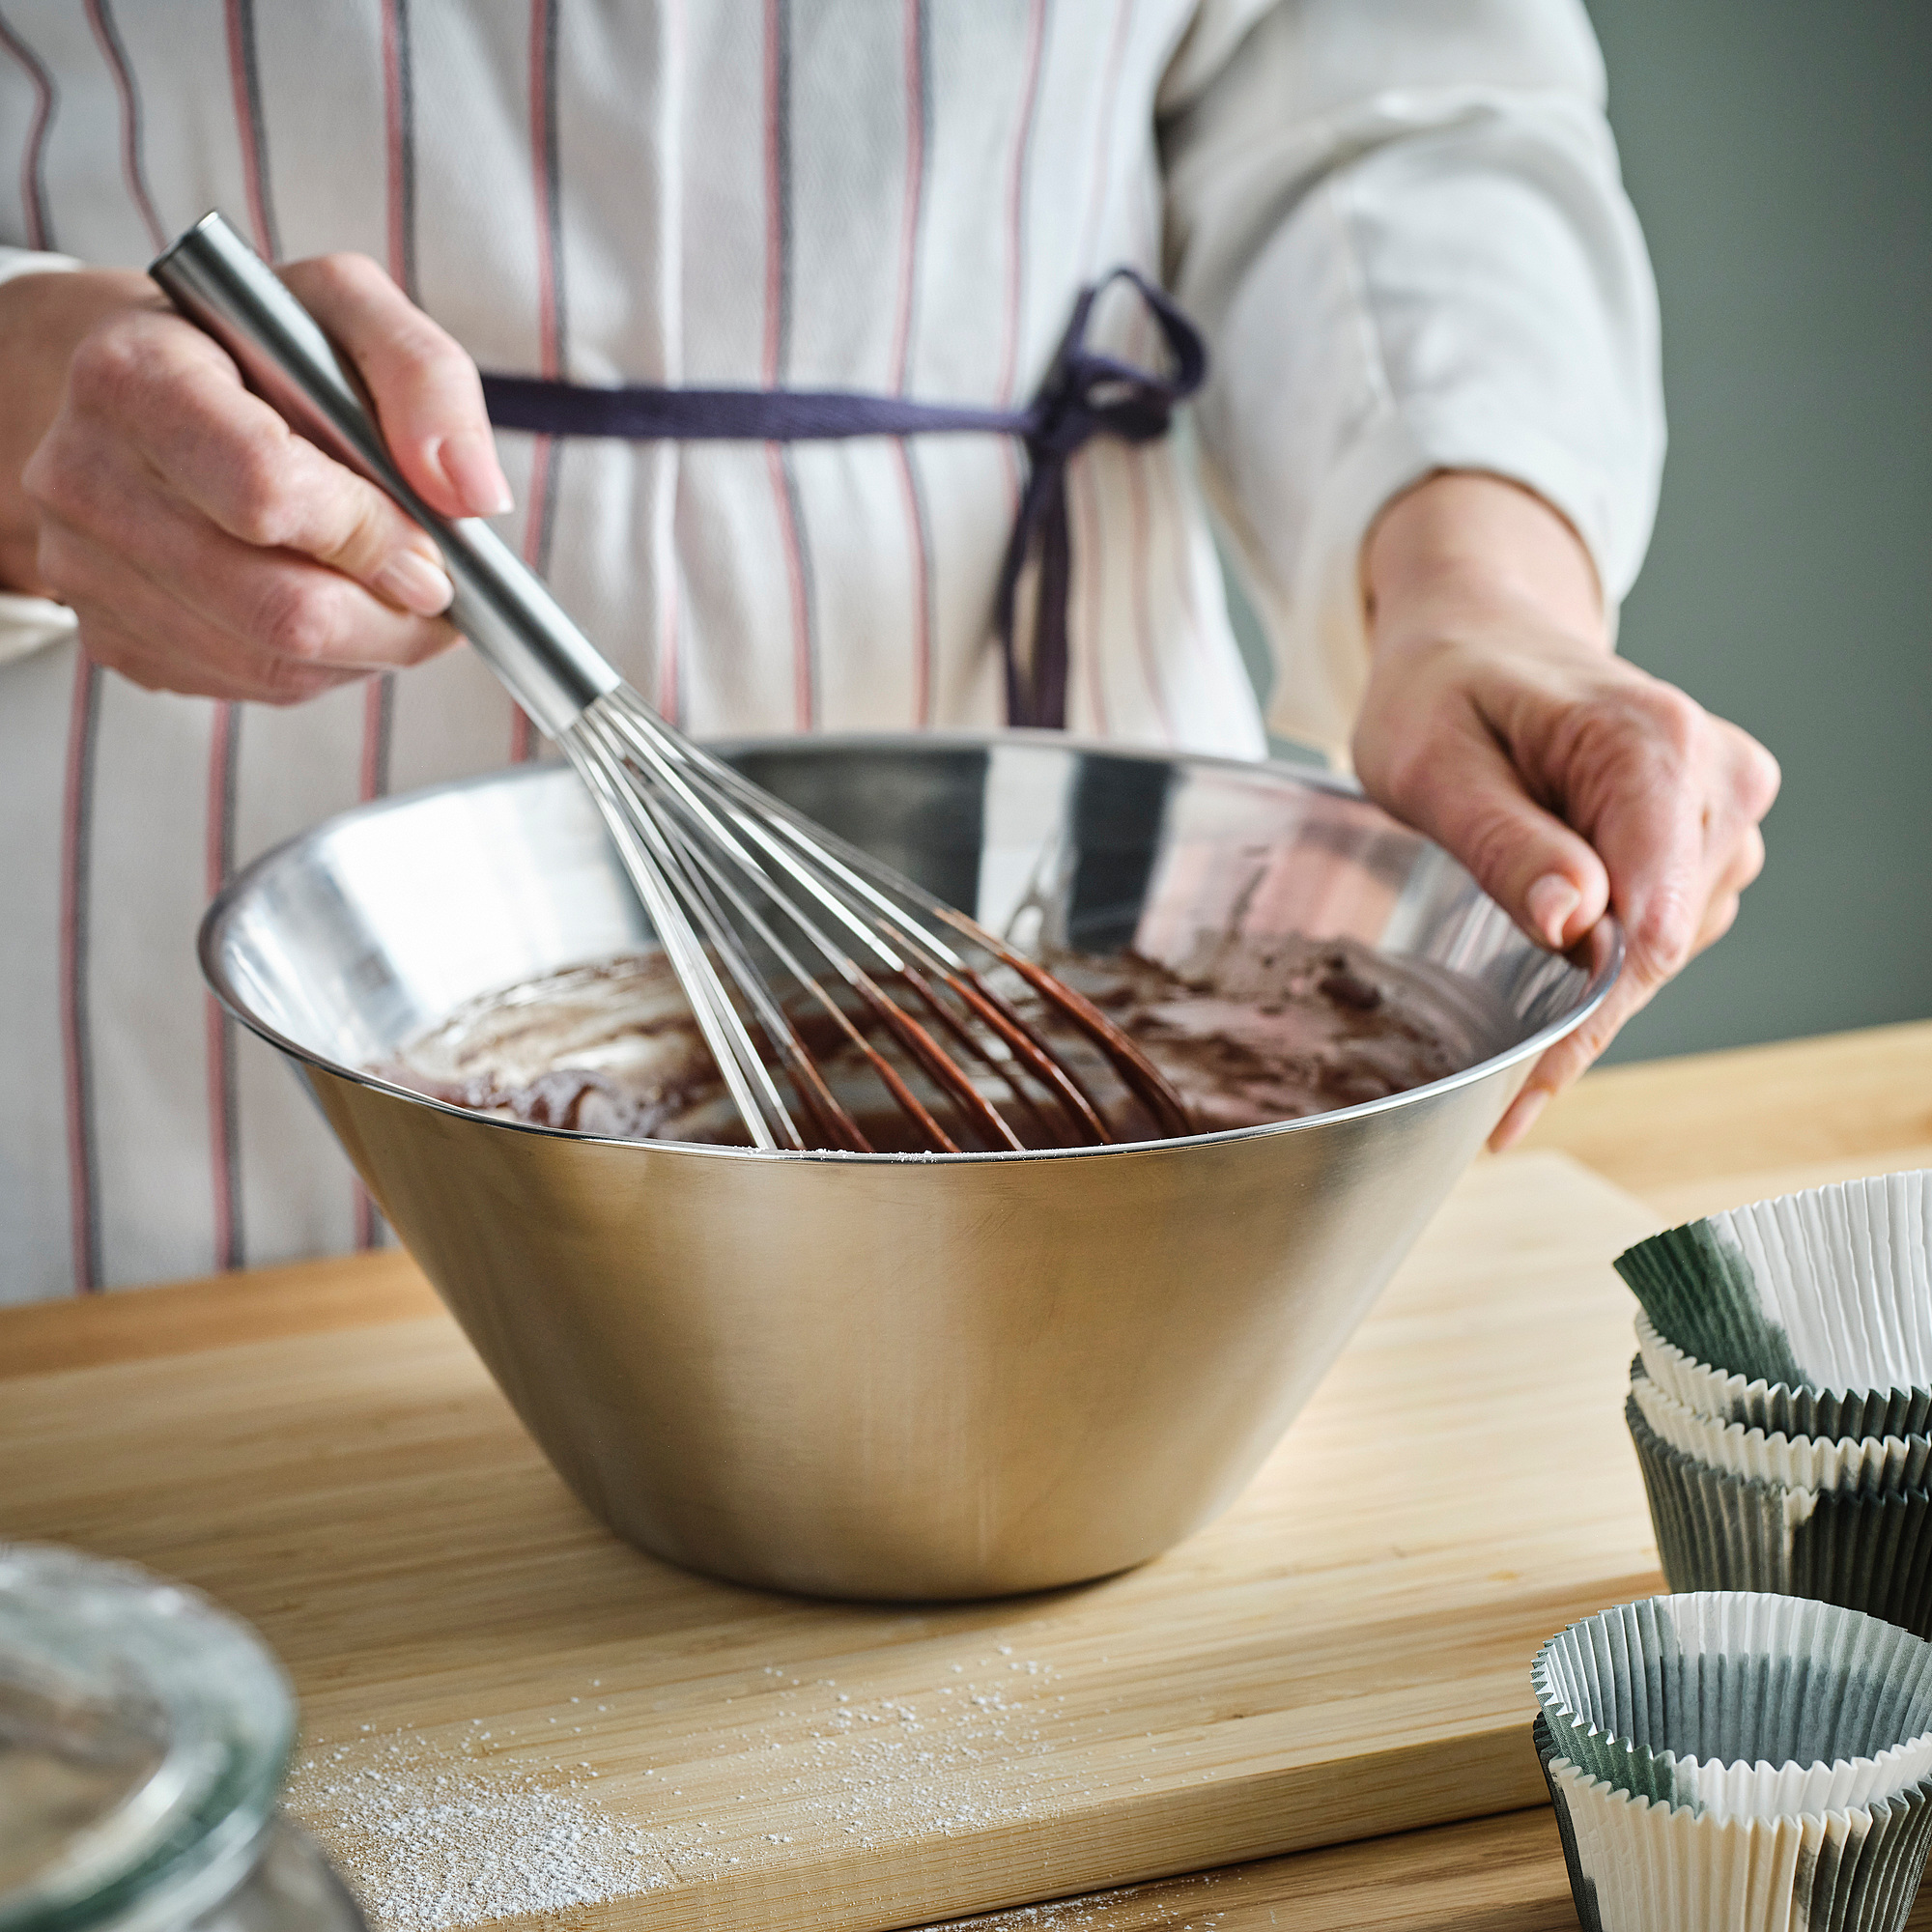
28,623
1401,223
31,262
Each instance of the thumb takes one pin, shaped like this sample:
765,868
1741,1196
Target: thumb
1467,797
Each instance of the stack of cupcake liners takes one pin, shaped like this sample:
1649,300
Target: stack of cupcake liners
1730,1762
1781,1398
1728,1396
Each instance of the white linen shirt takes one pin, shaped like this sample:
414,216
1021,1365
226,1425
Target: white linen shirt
1399,222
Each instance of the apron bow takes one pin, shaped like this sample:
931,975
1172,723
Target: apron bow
1085,394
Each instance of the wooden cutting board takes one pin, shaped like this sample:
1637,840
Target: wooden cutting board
510,1716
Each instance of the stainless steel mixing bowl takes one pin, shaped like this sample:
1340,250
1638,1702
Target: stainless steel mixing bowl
871,1376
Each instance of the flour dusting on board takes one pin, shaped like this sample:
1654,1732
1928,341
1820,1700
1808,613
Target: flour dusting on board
428,1839
880,1771
516,1820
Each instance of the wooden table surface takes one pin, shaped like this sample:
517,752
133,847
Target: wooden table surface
1687,1136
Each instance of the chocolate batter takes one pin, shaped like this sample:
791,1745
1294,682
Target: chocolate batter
1247,1031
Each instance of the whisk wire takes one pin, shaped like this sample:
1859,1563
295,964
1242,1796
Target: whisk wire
736,835
750,1083
852,865
665,753
673,776
692,882
698,869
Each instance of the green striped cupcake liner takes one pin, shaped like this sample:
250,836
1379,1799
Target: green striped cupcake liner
1741,1704
1640,1865
1721,1531
1873,1465
1776,1407
1829,1288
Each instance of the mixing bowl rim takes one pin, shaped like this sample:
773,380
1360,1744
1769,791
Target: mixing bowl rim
1604,944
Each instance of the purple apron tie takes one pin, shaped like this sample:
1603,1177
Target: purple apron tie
1085,394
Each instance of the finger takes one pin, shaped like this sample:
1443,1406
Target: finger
236,622
1671,797
1521,1114
162,387
151,640
1758,775
1718,920
274,602
1463,792
1745,863
1743,792
1571,1057
1562,1063
428,396
1678,831
155,663
273,491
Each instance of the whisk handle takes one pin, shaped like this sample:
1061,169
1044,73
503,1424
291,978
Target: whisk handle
219,284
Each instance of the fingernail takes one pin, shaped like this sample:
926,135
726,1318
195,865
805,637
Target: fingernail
1549,902
411,582
1520,1117
470,462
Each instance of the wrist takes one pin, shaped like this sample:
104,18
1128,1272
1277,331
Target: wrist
1464,554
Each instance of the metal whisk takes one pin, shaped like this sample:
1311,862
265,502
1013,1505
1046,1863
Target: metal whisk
777,931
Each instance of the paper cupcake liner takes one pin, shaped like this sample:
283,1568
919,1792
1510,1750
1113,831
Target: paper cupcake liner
1583,1888
1636,1865
1776,1406
1717,1531
1872,1466
1742,1706
1830,1289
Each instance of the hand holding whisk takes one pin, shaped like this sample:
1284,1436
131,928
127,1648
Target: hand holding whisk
786,940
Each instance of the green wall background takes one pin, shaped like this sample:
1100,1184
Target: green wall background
1779,156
